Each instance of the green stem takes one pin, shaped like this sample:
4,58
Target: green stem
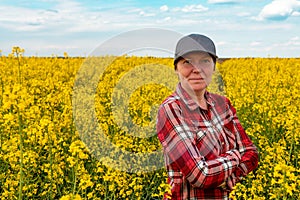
21,156
19,67
51,157
153,179
74,177
51,171
20,136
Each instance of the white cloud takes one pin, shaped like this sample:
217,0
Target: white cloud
255,43
166,19
31,19
164,8
243,14
69,6
134,10
296,14
279,10
191,8
221,43
224,1
294,41
146,14
67,17
292,46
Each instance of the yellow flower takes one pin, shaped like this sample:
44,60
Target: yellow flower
37,124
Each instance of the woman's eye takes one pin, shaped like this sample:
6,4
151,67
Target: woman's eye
187,62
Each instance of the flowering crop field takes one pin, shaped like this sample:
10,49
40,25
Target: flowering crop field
45,155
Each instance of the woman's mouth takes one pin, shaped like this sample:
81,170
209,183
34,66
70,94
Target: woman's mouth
195,79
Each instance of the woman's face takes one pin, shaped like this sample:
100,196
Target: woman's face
195,71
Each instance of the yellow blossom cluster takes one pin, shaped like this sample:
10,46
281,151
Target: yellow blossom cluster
78,128
266,94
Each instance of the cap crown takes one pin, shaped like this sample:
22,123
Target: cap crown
195,42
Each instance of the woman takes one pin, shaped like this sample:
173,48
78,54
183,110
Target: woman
206,149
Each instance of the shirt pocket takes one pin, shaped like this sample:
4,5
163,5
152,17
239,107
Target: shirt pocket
200,131
206,141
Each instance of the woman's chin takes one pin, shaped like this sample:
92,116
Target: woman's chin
198,87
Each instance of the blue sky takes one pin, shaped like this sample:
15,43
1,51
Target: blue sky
240,28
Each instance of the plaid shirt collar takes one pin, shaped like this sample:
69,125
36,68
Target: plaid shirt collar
187,99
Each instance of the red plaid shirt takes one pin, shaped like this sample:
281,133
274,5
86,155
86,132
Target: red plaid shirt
206,151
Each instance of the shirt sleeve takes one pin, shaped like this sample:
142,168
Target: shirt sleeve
246,148
179,146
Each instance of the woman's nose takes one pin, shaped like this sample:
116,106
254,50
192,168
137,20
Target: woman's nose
197,68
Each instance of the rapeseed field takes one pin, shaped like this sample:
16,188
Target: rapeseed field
71,131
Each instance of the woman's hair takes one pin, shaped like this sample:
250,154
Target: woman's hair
180,58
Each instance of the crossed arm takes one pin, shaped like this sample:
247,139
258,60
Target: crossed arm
179,145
